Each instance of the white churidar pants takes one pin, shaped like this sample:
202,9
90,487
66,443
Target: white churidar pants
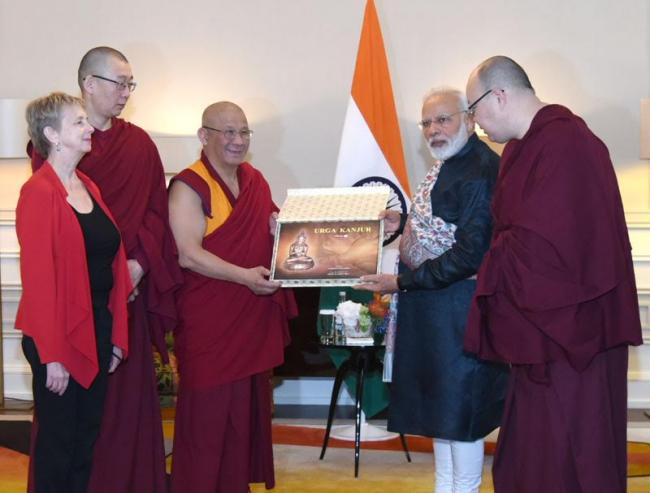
458,465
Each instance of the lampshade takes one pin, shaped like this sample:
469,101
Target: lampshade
13,127
645,129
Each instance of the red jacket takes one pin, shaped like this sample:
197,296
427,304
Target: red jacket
55,308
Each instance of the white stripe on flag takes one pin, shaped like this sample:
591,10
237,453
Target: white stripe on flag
361,157
359,154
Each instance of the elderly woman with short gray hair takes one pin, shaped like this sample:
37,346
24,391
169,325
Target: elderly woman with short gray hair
76,284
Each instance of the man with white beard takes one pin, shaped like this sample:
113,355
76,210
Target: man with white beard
438,390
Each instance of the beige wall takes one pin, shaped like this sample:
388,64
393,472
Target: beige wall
289,63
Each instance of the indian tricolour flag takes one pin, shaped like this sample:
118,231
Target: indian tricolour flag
371,146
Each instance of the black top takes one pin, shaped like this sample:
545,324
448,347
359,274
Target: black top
461,196
102,241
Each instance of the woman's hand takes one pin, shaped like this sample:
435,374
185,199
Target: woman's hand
116,359
57,377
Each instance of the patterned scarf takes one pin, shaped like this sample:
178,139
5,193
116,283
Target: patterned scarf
425,236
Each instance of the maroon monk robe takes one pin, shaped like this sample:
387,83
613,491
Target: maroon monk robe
227,340
222,437
125,165
556,297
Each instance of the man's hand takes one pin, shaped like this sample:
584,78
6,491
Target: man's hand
136,272
133,294
391,219
379,283
273,222
116,358
256,280
57,377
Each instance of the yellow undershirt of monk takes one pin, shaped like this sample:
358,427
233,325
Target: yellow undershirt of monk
219,203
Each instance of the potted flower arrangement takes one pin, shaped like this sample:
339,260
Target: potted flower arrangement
373,317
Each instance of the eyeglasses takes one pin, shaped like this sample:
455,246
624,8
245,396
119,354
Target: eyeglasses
120,85
471,109
230,133
442,120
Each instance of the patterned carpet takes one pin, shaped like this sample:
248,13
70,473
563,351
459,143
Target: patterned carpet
383,466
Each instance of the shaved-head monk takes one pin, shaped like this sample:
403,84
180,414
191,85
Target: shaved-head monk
124,163
233,320
556,296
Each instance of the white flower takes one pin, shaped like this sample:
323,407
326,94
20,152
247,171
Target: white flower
349,312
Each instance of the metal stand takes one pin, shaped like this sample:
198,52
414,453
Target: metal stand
361,361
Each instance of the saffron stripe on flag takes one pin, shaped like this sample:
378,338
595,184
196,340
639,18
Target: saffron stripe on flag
372,100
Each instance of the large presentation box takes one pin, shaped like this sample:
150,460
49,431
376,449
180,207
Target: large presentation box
329,236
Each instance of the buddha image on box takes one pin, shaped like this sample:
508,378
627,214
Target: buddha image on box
298,258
